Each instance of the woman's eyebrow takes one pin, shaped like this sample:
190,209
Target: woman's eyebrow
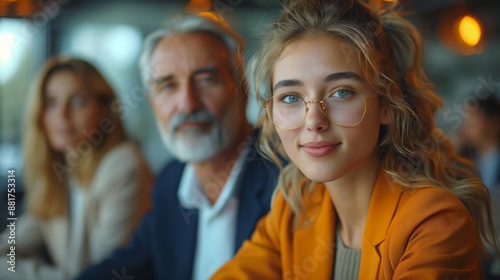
342,76
287,83
332,77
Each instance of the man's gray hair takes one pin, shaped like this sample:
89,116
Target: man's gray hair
193,23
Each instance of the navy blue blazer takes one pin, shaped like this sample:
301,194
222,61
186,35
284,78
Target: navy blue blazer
163,246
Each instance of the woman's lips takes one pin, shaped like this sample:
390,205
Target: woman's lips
319,149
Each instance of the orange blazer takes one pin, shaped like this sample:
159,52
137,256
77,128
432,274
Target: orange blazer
423,233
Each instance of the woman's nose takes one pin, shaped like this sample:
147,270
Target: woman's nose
315,117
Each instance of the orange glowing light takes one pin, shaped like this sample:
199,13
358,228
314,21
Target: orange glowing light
198,6
470,30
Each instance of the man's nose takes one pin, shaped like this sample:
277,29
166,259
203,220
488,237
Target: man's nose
189,99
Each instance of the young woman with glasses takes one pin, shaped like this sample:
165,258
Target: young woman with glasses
372,190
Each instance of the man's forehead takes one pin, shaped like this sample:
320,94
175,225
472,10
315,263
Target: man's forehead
185,53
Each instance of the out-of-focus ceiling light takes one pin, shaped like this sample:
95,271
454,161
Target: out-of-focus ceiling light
470,31
463,32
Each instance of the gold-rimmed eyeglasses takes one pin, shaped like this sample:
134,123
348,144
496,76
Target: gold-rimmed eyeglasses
345,108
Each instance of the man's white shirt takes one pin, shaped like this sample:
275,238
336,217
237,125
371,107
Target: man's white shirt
216,234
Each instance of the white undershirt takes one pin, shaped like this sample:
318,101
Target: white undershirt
76,218
216,223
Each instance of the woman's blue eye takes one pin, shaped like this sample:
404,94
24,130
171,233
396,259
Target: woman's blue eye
290,99
343,93
208,80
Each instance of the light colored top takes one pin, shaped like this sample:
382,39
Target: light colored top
104,217
422,233
488,168
76,215
347,261
216,236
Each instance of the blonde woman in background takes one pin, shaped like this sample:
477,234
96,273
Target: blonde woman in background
86,184
373,190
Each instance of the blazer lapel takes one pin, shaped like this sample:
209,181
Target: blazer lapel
258,181
178,247
184,244
251,205
383,205
313,244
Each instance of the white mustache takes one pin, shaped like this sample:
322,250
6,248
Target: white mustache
198,116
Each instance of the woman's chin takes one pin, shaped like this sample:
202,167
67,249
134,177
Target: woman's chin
320,176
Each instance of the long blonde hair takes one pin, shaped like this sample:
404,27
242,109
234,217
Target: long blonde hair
45,169
411,149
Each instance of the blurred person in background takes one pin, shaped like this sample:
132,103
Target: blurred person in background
86,183
208,201
479,139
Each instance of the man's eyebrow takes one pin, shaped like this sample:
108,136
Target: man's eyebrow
206,70
342,76
163,79
287,83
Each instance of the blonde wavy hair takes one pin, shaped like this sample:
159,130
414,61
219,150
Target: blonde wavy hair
411,150
47,191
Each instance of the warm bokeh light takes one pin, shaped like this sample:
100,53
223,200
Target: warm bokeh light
26,7
470,31
463,32
198,6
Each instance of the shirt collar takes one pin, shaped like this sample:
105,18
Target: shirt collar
191,195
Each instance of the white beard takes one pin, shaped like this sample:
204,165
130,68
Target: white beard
194,145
